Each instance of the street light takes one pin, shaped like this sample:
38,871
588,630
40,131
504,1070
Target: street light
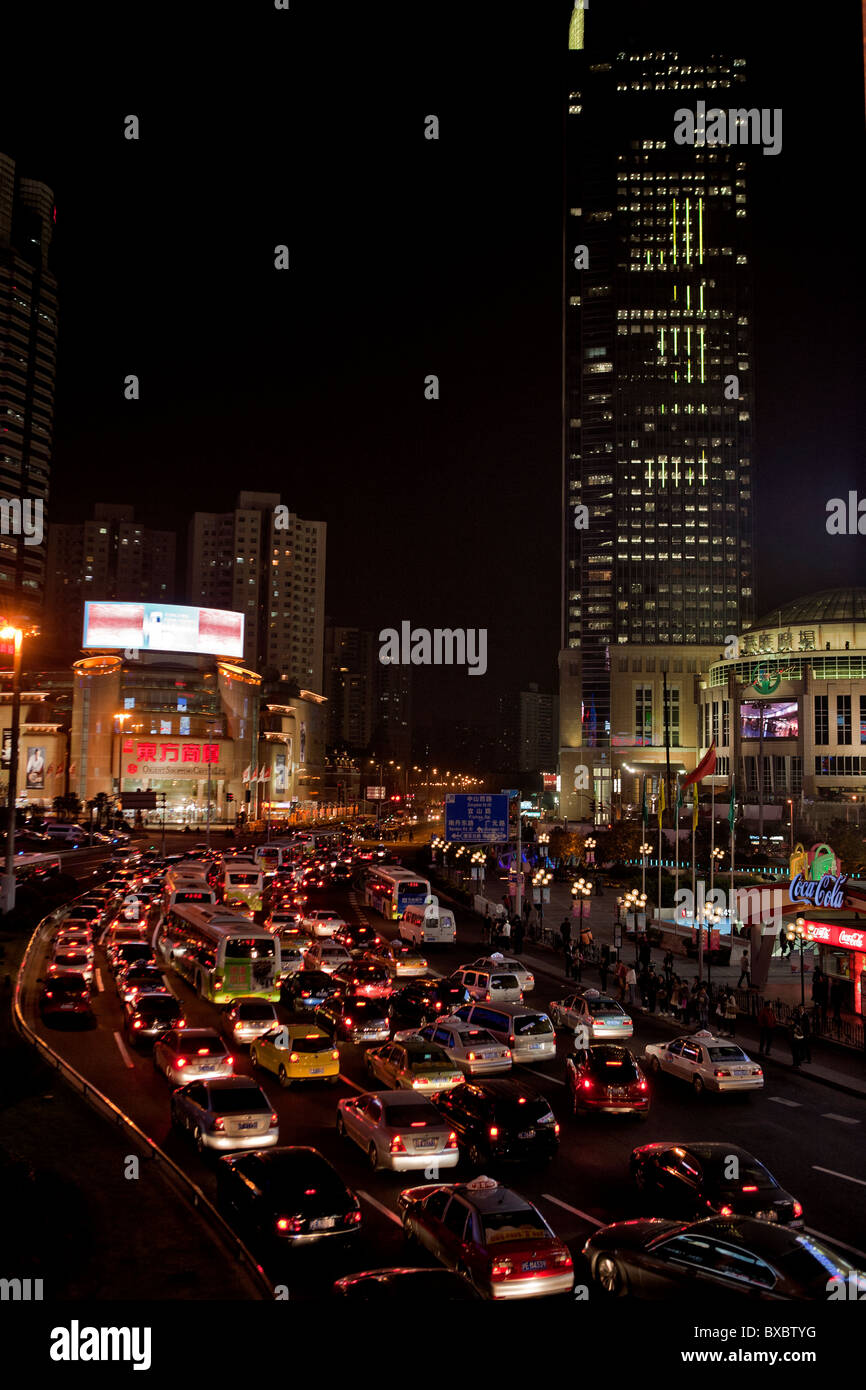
10,633
799,934
589,845
580,891
635,902
645,849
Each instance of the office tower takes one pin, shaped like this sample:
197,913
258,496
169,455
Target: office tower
28,351
350,685
536,749
657,372
392,724
265,562
111,556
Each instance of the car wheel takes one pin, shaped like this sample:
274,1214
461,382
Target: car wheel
609,1276
655,1065
284,1079
373,1158
697,1085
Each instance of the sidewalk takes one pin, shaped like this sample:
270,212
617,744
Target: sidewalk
833,1064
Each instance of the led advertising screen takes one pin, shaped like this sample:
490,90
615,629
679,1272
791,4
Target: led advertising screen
164,627
779,719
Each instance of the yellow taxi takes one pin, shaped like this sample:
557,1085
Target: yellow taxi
297,1052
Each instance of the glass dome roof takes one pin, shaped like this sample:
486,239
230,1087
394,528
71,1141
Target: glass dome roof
828,606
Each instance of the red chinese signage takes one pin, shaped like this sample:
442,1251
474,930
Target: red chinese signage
850,938
172,752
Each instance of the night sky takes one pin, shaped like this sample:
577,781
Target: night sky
410,257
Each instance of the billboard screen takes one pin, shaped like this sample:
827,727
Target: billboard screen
164,627
779,719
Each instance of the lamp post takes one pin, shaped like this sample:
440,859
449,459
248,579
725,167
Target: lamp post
713,915
121,720
580,891
791,822
635,902
645,849
16,636
798,933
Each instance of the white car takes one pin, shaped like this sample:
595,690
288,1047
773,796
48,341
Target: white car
497,961
322,922
399,1130
474,1050
323,955
604,1019
248,1019
490,986
707,1063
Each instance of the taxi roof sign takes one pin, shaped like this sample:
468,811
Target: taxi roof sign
481,1184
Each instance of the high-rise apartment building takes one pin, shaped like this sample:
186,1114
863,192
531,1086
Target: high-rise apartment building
536,746
267,563
28,350
110,556
657,374
350,685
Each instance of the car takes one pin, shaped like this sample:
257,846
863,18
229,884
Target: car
500,1119
304,991
699,1179
715,1257
77,960
67,937
291,958
360,936
340,876
91,911
605,1077
147,1016
512,966
325,956
297,1052
599,1013
231,1112
322,921
417,1286
248,1019
491,1235
282,917
364,979
66,996
124,936
706,1063
489,986
420,1001
527,1032
354,1019
187,1054
128,952
413,1064
140,977
474,1050
290,1194
400,958
398,1130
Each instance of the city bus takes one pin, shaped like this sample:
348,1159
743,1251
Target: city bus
186,883
241,883
222,954
391,889
35,866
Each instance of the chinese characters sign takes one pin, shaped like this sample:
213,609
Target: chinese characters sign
171,758
476,820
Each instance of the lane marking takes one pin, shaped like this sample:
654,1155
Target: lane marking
386,1211
99,985
354,1084
831,1240
843,1119
834,1174
780,1100
584,1215
543,1074
123,1052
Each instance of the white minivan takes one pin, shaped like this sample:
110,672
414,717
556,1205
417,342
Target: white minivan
428,924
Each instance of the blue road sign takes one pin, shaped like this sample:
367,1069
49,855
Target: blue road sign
511,792
480,819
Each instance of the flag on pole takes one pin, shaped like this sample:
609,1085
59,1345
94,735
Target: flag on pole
679,800
694,806
246,776
661,805
732,809
643,812
705,767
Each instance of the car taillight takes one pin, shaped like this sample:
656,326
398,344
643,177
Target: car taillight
219,1123
355,1218
452,1141
563,1259
137,1023
290,1223
750,1188
556,1128
798,1210
641,1085
501,1269
305,993
511,1041
294,1056
493,1132
726,1211
587,1084
721,1071
181,1023
230,1060
180,1062
335,1056
397,1145
757,1071
438,1004
275,1119
49,994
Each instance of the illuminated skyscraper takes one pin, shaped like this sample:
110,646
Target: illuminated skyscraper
657,380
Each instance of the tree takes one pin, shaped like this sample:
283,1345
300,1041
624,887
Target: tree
566,842
621,842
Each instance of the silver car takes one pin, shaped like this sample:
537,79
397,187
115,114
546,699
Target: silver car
475,1050
75,959
232,1113
605,1019
185,1054
497,961
398,1130
323,956
706,1063
491,986
248,1019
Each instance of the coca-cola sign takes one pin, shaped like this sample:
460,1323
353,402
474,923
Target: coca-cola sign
848,937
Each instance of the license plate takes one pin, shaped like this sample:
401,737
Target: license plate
526,1134
316,1071
247,1124
536,1047
425,1143
67,1006
767,1215
530,1265
324,1223
740,1071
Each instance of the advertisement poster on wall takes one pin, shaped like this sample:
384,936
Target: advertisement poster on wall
6,755
35,774
279,774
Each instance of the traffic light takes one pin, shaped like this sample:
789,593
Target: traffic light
230,796
592,806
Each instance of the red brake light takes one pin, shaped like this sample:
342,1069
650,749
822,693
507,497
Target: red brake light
798,1210
438,1004
180,1062
752,1187
219,1123
642,1086
587,1084
335,1055
283,1224
493,1132
275,1119
452,1141
556,1128
231,1061
294,1056
397,1145
726,1211
500,1269
137,1023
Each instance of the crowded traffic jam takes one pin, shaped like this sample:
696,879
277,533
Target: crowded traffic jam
454,1122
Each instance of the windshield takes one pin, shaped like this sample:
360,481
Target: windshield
813,1265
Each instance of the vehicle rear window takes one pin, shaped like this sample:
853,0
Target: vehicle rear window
241,879
69,984
603,1007
71,958
505,981
726,1054
529,1113
530,1025
310,1044
424,1056
134,950
614,1071
238,1100
159,1008
250,948
255,1011
519,1223
412,1116
204,1047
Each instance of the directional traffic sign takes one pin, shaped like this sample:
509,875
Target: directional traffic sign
479,819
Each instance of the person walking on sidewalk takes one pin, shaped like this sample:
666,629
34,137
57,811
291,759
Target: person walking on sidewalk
766,1029
631,984
702,1003
731,1014
568,960
797,1039
669,967
745,971
621,973
565,932
806,1030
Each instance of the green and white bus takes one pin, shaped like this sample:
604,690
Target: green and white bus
222,954
242,882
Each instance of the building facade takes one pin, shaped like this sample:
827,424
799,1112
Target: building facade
657,379
28,356
536,744
350,685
